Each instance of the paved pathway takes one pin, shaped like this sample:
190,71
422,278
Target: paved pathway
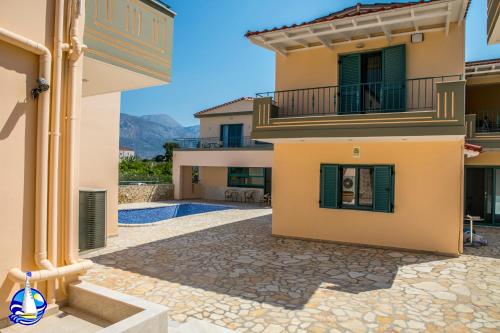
226,268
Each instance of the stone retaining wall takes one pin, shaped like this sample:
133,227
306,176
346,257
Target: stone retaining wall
145,193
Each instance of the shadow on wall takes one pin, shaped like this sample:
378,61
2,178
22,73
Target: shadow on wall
20,69
243,259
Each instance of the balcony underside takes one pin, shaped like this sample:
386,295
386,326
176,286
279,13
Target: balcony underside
101,77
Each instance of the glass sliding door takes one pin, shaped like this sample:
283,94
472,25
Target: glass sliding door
497,196
231,135
488,196
482,193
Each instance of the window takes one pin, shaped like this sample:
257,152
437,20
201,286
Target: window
363,187
246,177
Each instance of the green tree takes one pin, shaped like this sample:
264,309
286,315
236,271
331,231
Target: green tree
169,150
159,158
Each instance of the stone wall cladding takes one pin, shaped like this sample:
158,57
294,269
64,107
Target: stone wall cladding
145,193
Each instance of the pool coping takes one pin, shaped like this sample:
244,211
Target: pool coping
167,204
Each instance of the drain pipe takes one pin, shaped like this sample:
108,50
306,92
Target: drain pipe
48,270
75,62
55,136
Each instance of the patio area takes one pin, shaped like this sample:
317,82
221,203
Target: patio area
226,268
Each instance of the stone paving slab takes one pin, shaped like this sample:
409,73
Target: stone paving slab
225,268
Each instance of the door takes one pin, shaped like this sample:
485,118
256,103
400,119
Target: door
350,79
497,196
268,175
394,79
231,135
480,193
371,81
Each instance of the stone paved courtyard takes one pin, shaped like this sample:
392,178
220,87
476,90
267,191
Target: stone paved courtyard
226,268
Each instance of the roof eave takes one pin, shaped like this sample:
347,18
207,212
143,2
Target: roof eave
346,26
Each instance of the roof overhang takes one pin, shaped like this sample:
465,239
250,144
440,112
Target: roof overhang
419,17
480,68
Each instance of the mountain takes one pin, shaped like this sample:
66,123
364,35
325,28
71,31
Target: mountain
147,134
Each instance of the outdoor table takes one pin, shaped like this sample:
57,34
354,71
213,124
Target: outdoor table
471,220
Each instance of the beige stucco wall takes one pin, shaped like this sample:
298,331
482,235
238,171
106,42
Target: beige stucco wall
213,182
437,55
99,146
428,195
18,120
210,126
216,158
18,117
189,189
487,158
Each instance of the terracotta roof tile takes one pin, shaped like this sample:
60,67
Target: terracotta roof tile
482,62
472,147
224,104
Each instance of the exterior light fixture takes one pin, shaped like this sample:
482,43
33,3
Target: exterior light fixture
360,45
43,85
417,38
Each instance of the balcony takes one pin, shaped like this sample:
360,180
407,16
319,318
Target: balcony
483,129
217,143
419,106
129,45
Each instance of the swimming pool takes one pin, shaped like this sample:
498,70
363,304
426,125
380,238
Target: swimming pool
155,214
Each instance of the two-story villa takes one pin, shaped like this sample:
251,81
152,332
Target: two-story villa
368,126
224,162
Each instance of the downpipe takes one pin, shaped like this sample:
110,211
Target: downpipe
48,270
74,63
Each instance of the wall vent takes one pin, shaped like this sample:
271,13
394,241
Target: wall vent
92,221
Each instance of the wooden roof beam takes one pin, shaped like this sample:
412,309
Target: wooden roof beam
352,29
447,25
278,50
326,42
385,29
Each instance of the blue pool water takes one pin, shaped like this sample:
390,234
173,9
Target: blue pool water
150,215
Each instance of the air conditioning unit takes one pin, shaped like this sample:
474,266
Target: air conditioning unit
349,186
92,221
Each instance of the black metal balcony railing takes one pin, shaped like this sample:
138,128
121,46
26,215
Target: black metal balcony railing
487,121
217,142
374,97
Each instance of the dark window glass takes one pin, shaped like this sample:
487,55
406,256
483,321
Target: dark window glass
246,177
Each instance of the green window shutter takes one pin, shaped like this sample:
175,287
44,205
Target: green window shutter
329,186
383,189
350,80
394,78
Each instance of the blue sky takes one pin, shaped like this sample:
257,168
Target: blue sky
213,62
